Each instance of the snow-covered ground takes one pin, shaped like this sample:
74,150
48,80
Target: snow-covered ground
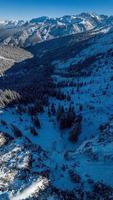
34,188
49,159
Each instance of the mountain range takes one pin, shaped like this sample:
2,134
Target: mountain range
27,33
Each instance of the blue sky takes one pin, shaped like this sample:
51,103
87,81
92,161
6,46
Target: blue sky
26,9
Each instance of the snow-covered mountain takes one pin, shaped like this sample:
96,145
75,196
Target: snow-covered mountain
28,33
56,116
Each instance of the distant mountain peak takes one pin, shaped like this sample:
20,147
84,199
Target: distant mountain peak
26,33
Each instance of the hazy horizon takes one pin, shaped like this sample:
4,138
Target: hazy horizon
27,19
28,9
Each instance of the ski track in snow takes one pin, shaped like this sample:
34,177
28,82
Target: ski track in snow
7,59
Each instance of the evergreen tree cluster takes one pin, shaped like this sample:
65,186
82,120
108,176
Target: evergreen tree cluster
65,117
75,132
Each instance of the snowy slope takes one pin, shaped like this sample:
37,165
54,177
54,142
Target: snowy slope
43,155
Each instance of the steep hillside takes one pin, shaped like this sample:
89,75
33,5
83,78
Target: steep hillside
11,55
56,133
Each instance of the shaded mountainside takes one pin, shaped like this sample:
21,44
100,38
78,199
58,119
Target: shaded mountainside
21,70
18,65
56,118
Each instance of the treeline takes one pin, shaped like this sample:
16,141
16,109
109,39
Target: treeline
9,97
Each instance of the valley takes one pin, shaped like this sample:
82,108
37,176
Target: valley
56,118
